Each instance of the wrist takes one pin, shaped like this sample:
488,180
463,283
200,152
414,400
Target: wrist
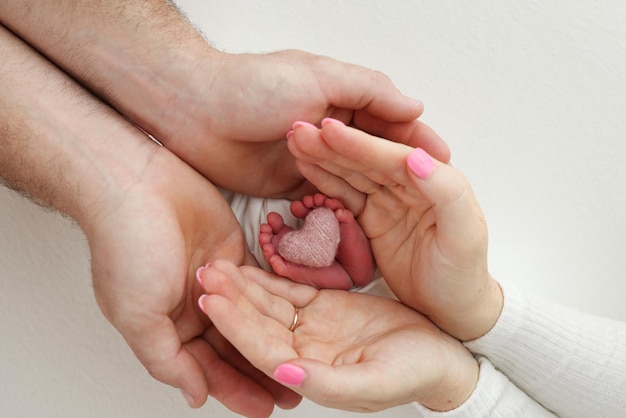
161,86
157,86
179,108
59,146
473,315
457,383
143,57
485,313
112,175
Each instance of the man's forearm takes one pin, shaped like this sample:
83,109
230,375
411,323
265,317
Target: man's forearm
58,145
137,55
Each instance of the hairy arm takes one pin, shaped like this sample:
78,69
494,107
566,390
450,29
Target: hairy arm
67,160
137,55
149,218
208,107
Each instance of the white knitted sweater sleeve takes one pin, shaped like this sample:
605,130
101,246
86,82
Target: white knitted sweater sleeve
572,363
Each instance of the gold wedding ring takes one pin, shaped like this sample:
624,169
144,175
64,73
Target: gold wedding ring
294,323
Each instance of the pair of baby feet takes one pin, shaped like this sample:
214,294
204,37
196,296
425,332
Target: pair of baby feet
330,251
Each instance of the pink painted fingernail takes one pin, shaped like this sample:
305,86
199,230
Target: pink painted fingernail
301,124
201,301
289,375
200,270
420,163
332,121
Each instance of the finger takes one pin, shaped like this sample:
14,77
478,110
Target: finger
354,87
272,313
307,144
296,294
228,385
344,115
251,338
386,163
259,349
355,152
354,387
414,133
357,178
333,186
376,158
260,338
159,349
234,378
349,150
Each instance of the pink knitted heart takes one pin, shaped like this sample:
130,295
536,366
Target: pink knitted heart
316,243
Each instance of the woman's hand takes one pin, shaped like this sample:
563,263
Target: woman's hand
347,350
426,228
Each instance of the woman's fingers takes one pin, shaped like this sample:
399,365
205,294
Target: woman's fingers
258,327
284,292
347,386
349,153
368,163
415,133
335,186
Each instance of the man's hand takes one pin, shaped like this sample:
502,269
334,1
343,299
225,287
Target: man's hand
150,220
252,101
145,252
224,114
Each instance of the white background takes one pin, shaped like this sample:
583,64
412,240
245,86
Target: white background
531,97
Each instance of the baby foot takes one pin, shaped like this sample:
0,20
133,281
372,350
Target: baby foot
353,264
